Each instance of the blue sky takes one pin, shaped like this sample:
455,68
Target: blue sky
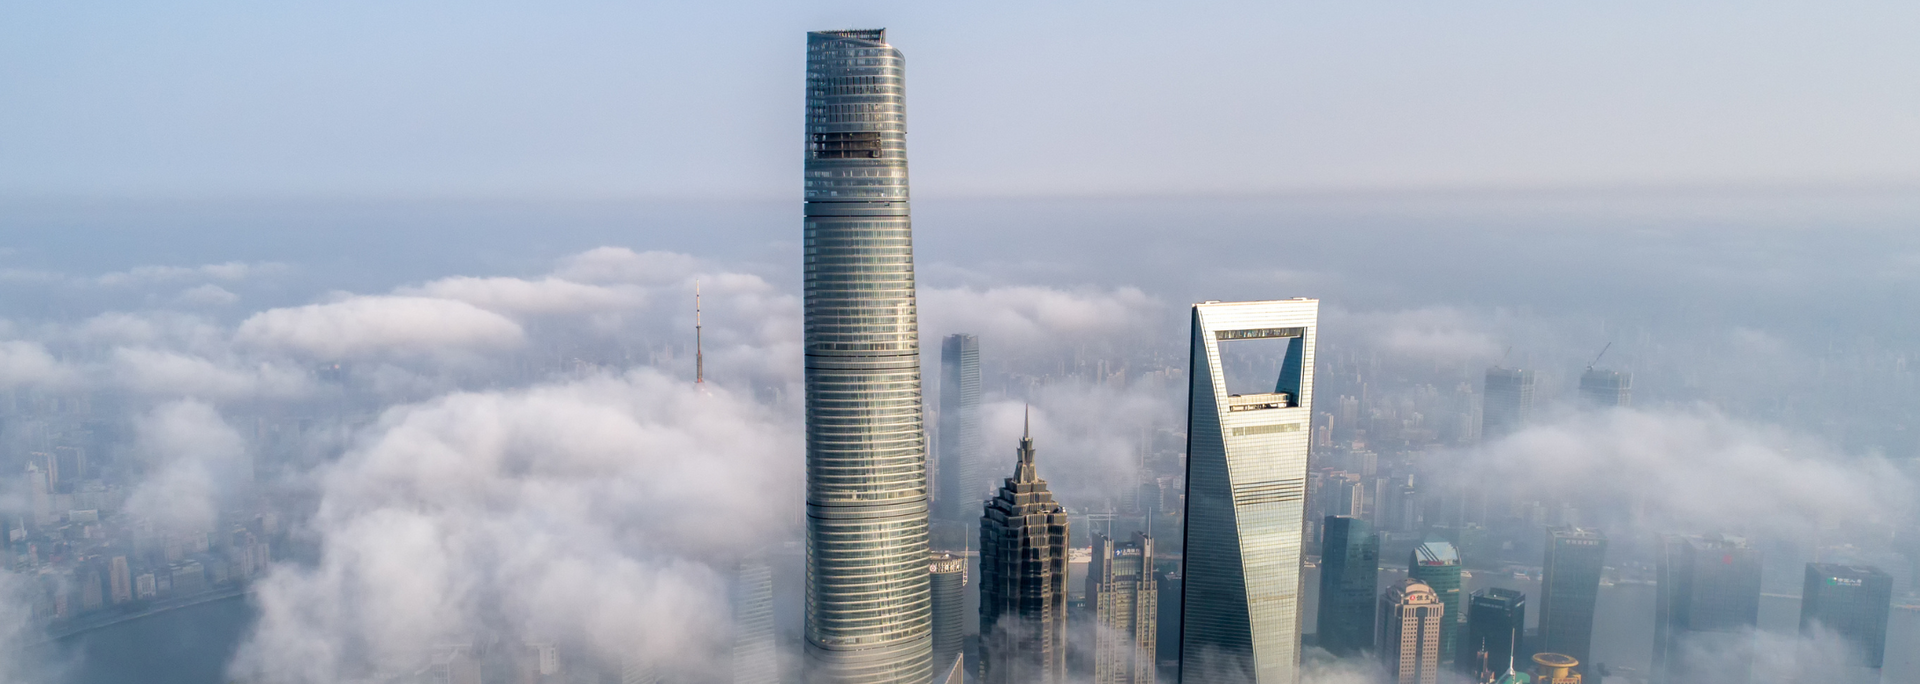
628,100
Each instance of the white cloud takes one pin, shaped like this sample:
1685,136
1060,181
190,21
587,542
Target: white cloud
206,295
230,271
377,325
195,461
1025,316
1435,333
1693,470
591,513
1089,437
622,265
168,373
28,363
514,296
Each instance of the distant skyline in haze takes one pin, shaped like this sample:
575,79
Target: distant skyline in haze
604,100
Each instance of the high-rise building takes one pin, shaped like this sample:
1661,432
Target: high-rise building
1349,574
1569,590
1411,617
1496,622
1851,602
1023,580
949,573
961,485
1508,402
1437,563
119,580
868,607
1706,608
1246,487
1124,597
1606,389
756,647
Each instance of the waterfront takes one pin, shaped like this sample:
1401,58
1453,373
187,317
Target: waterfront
186,645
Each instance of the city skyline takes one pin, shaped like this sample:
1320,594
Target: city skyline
385,443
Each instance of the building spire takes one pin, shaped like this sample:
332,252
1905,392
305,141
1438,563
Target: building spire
1024,470
699,358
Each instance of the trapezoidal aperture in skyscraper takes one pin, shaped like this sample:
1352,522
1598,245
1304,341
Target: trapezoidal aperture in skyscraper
1246,491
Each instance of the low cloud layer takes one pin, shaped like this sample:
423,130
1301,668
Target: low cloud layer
1692,469
593,513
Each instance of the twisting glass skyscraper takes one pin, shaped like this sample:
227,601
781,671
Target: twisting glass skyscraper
868,604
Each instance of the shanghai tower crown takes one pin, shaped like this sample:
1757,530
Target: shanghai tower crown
868,601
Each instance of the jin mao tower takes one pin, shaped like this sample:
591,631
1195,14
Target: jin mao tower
1023,580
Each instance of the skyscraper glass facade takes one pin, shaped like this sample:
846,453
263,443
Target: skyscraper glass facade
1496,625
1437,563
1706,607
949,573
1349,575
868,607
1606,389
961,485
1246,491
1569,590
1853,603
1508,403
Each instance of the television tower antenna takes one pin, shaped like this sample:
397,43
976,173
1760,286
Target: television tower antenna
1596,357
699,358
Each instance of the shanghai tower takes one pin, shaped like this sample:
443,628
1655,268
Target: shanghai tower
868,601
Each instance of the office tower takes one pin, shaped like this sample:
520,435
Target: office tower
1558,668
756,658
1349,573
1124,597
961,485
1437,563
949,608
868,608
1606,389
1411,618
40,497
1496,621
1851,602
1508,402
1023,580
1707,602
120,579
1569,588
1246,486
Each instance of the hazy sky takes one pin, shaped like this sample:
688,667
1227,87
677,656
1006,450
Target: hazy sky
571,99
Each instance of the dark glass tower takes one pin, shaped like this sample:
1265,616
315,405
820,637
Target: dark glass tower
961,485
949,608
1436,563
1023,580
1569,588
1349,573
868,608
1606,389
1496,621
1708,602
1852,602
1508,402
